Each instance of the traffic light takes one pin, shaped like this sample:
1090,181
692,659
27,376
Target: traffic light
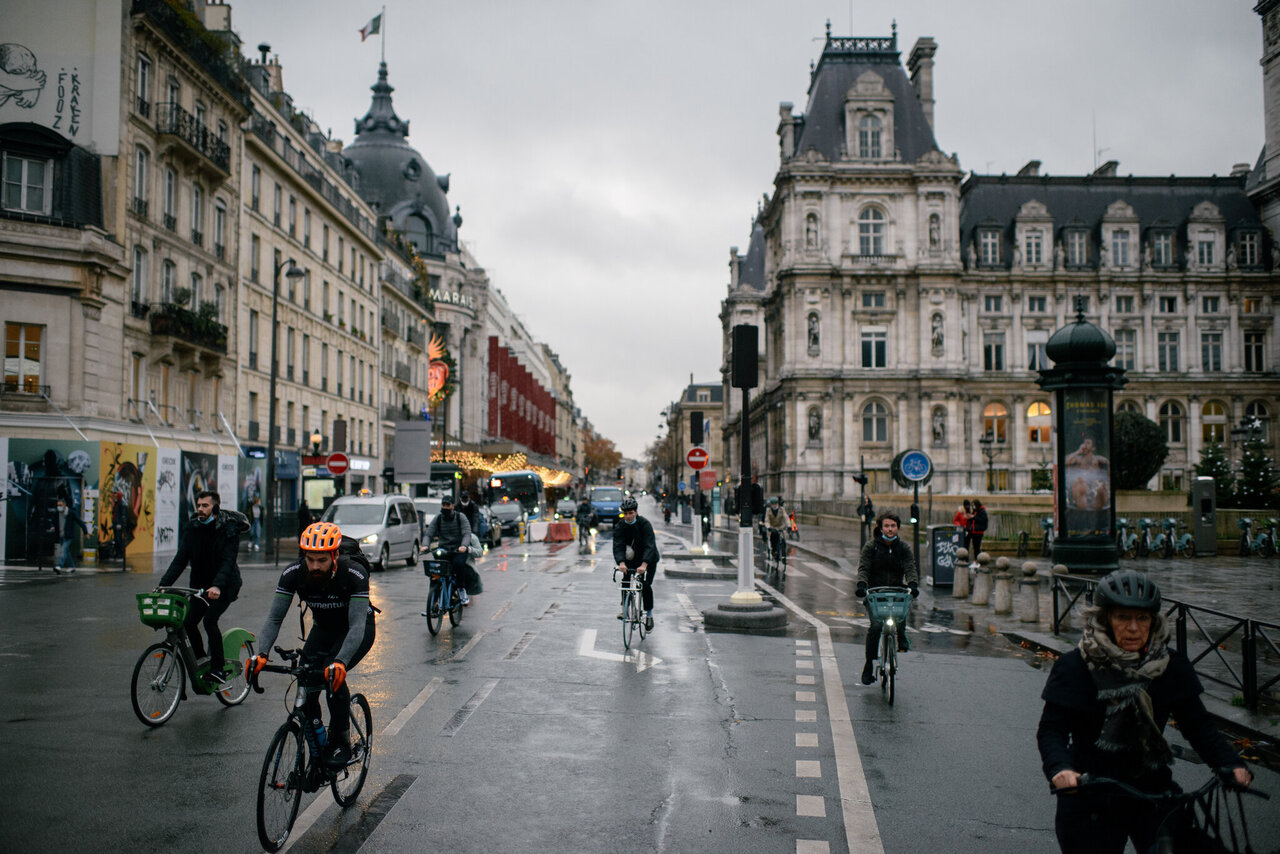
860,479
695,428
619,474
915,514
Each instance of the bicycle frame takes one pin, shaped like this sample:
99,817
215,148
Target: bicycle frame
632,589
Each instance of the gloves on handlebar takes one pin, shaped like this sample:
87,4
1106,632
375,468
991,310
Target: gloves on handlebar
335,674
861,590
253,666
915,590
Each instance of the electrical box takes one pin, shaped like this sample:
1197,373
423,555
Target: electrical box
1204,514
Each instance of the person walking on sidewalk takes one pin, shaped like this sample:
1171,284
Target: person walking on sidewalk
1106,704
67,520
964,521
255,525
978,528
886,561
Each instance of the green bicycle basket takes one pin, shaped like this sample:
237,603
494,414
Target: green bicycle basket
161,610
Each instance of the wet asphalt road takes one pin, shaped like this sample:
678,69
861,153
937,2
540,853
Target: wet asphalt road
536,732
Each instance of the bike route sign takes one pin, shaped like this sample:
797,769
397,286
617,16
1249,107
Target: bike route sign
916,466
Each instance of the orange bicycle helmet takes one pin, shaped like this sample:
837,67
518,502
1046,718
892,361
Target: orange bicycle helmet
320,537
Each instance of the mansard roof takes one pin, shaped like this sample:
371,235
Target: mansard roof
751,270
842,62
716,389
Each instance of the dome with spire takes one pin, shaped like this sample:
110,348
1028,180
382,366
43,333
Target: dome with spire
396,180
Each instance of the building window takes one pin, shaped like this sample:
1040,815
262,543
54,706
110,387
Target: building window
1251,305
1039,423
875,422
1254,346
871,232
1077,248
324,243
27,184
220,229
197,215
138,294
1248,251
1033,252
1213,422
1171,422
995,422
306,227
1120,247
1037,360
277,207
1171,481
1129,406
255,258
144,85
141,168
993,351
168,281
869,138
993,303
219,302
23,362
255,183
170,199
873,299
1257,412
197,291
989,253
1168,305
874,348
1037,305
339,253
1126,348
293,216
1210,305
1162,250
1124,305
1211,351
1204,251
1167,351
324,366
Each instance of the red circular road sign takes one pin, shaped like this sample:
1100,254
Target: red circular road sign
696,458
337,464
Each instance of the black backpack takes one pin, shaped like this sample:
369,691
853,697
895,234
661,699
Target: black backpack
233,522
350,549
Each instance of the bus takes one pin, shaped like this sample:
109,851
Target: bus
522,486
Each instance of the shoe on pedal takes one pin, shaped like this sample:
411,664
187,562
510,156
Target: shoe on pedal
338,755
868,672
648,624
903,645
619,615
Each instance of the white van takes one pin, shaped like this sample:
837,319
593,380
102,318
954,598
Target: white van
386,526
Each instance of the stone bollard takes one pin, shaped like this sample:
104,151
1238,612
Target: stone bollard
1003,587
1029,594
960,585
1044,579
1064,621
982,580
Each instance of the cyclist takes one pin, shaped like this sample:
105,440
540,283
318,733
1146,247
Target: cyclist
453,531
209,545
336,589
1106,705
585,516
635,549
776,522
886,561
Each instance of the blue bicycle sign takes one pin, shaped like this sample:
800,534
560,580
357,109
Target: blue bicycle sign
916,466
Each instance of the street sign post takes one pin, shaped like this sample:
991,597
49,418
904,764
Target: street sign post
697,458
337,464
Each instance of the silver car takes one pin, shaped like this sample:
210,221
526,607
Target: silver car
386,526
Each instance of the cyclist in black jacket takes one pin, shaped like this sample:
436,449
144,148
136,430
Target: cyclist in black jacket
886,561
635,549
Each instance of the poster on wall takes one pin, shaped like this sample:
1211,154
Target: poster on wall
39,473
253,475
199,472
126,517
1086,440
168,470
228,480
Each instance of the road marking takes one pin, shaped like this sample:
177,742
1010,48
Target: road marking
643,660
812,846
520,645
804,652
808,768
805,679
694,615
862,834
462,653
806,716
825,571
806,739
551,611
806,697
412,709
498,613
804,643
811,805
804,664
468,709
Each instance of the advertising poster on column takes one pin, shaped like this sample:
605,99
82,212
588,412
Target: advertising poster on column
40,472
199,472
127,507
228,479
168,474
253,476
1086,441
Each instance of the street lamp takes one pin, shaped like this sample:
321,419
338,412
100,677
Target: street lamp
295,272
316,439
990,450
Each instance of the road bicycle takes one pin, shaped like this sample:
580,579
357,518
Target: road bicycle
889,607
163,670
632,613
295,760
444,596
1207,818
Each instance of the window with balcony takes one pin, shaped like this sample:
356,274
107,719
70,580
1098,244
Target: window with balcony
869,140
875,344
1077,248
993,351
875,422
1254,348
1039,423
220,302
197,291
255,187
1213,422
277,207
293,216
1126,348
220,230
143,90
174,92
168,281
1167,351
871,232
1162,249
306,227
138,291
28,184
197,215
1210,351
989,247
1171,418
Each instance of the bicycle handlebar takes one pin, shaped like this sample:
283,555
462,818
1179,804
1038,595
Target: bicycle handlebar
1220,778
296,667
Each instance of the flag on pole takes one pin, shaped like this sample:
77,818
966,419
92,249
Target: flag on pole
372,28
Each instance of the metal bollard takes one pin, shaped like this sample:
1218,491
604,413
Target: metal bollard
1029,594
960,586
1003,594
982,580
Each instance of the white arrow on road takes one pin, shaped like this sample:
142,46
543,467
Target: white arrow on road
587,647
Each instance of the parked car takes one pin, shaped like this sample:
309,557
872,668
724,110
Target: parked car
386,526
493,536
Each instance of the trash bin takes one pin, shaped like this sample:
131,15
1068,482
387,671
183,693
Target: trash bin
942,543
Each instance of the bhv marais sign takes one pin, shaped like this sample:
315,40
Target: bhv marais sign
453,298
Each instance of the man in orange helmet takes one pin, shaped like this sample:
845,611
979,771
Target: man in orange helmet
336,589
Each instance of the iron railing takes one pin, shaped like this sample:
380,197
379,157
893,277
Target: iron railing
174,120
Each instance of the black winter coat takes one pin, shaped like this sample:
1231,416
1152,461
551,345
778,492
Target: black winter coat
644,545
887,564
211,551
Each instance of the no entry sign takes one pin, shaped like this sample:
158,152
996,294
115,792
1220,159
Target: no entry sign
696,458
337,464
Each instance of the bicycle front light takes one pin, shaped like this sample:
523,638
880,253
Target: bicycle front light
371,539
889,622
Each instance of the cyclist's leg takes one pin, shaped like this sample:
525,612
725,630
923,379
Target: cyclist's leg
216,609
873,649
462,574
196,609
340,700
1087,823
646,593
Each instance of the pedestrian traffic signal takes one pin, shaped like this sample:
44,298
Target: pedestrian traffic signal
860,479
915,514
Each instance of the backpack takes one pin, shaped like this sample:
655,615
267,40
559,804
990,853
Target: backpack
233,523
350,549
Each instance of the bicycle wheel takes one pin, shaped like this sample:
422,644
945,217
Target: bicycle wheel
237,686
280,786
1245,549
892,668
640,618
159,680
455,604
628,620
885,632
348,782
435,607
1264,546
1191,548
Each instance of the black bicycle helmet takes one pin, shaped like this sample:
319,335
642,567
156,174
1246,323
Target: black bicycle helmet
1127,588
628,503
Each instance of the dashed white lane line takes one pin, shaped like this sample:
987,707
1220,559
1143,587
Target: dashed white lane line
812,846
808,768
811,805
806,696
806,716
804,679
826,571
411,709
690,611
806,739
804,664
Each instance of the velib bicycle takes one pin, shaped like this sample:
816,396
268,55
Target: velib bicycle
775,556
632,613
444,596
160,677
889,607
295,761
1209,818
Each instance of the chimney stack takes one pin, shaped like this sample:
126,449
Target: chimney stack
920,64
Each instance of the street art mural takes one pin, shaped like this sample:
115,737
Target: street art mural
126,518
39,472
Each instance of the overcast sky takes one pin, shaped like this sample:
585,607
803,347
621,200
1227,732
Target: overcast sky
606,154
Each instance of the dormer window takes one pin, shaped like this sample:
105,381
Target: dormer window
1162,249
989,247
1204,250
1247,253
868,118
869,137
1077,248
1034,247
1120,247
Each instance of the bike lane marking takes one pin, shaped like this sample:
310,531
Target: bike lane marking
862,834
410,710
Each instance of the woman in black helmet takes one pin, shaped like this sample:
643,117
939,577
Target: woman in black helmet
1105,708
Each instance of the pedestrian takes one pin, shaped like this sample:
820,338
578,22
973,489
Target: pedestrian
964,521
978,527
67,521
255,524
471,510
304,516
119,523
1106,704
886,561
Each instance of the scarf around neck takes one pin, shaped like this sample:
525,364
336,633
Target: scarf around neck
1129,730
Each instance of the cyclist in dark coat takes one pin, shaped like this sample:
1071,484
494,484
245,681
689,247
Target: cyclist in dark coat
1105,708
209,544
886,561
635,549
453,531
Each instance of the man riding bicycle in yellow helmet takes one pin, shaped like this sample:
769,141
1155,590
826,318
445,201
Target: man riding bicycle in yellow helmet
336,589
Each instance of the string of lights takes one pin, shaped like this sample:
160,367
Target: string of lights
473,461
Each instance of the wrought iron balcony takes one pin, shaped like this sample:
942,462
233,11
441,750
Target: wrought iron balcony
197,237
139,207
139,309
171,222
402,372
198,329
173,120
143,107
220,251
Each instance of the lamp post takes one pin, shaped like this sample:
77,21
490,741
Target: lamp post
295,272
316,439
990,450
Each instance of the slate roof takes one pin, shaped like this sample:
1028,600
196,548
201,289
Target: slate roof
843,61
716,389
751,270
